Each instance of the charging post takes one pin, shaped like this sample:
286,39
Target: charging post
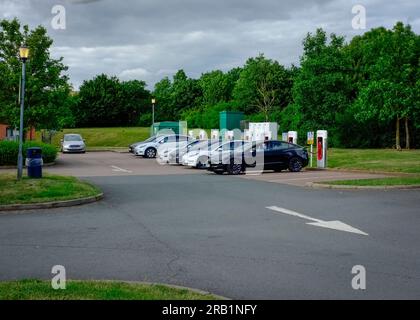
311,140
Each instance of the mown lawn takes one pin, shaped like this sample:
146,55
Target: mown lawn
49,188
397,181
106,137
94,290
385,160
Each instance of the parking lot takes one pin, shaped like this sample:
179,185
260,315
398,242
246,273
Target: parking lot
240,237
97,164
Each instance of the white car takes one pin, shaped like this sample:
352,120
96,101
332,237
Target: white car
199,158
151,149
73,143
174,155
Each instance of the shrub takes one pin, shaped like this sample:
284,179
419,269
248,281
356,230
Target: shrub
9,152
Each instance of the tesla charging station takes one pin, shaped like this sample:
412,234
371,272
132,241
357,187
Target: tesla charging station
293,137
322,145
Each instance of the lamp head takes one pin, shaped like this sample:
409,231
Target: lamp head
23,53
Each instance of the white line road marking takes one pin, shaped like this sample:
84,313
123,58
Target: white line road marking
335,225
118,169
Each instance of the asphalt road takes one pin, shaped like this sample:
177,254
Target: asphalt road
215,233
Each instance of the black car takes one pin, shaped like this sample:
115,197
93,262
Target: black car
268,155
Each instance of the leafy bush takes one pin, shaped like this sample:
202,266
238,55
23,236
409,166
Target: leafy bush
9,152
207,117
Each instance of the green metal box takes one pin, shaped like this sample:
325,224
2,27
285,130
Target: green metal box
174,127
230,120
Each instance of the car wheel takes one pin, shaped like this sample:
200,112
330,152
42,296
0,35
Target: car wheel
295,165
219,172
235,169
150,153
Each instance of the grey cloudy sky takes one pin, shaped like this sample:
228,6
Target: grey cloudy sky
150,39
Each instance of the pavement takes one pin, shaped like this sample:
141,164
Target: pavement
190,228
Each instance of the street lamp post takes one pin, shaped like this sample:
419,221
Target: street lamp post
23,54
153,111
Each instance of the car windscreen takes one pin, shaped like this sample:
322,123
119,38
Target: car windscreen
72,137
151,139
203,145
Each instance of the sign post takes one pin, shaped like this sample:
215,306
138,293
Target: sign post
311,140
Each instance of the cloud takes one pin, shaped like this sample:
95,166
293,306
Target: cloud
132,74
150,39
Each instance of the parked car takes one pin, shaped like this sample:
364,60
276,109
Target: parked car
200,158
150,149
73,143
132,146
271,155
173,155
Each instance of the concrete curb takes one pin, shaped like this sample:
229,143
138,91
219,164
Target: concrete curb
109,150
199,291
345,187
15,167
51,205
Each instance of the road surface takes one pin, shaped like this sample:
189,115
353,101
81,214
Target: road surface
215,233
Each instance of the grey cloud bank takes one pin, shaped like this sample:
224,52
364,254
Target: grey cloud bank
150,39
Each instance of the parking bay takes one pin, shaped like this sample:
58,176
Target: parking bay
188,227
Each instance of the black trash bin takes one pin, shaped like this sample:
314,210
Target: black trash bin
34,162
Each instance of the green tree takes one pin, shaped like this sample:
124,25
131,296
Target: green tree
135,101
100,102
172,98
322,89
388,70
186,94
263,86
47,87
162,93
217,86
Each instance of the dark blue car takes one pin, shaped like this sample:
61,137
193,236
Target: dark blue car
268,155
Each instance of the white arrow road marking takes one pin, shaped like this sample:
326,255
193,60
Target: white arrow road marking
335,225
118,169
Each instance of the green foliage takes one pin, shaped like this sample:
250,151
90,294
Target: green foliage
322,87
174,97
207,117
47,88
9,152
387,74
105,101
263,86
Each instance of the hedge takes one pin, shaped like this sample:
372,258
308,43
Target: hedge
9,152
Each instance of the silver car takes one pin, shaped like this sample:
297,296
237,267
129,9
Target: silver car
73,143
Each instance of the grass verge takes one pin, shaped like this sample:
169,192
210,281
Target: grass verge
384,160
395,181
105,137
94,290
48,189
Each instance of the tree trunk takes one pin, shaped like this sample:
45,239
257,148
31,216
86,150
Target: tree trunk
397,135
407,134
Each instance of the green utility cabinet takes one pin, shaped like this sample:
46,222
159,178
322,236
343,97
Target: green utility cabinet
230,120
169,127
